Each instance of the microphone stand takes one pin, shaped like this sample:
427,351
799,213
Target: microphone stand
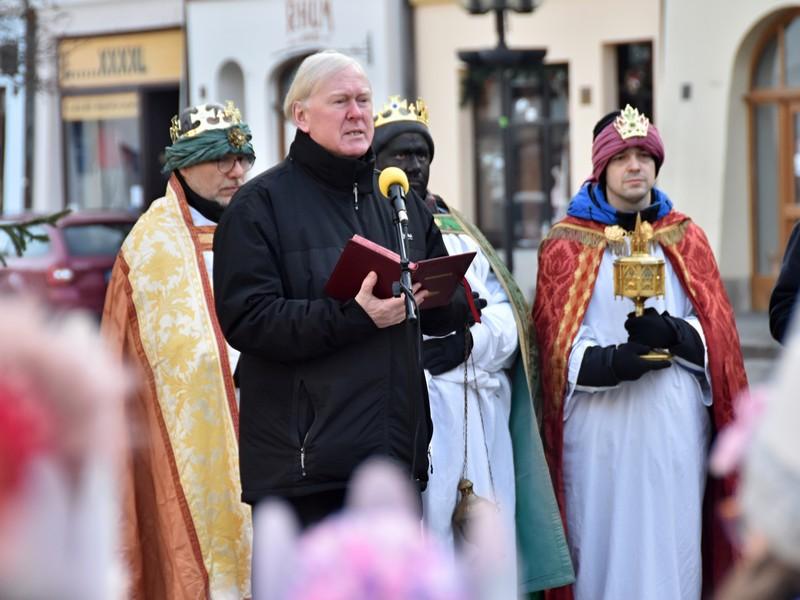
394,192
401,228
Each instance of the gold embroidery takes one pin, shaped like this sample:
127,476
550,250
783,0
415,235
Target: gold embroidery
180,344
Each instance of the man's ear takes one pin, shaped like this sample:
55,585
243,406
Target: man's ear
300,116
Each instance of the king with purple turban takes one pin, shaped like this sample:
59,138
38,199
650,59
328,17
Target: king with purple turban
627,435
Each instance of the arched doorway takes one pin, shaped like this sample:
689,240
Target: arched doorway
230,85
774,107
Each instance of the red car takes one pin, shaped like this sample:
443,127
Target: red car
71,269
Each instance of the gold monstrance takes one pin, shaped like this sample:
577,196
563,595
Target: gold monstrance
640,276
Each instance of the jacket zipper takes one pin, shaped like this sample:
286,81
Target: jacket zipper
355,195
303,456
430,458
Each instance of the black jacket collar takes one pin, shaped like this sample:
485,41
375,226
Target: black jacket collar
333,171
208,208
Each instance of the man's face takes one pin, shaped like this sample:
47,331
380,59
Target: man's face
409,152
210,182
630,175
338,114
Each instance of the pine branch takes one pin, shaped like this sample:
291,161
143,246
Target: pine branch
20,233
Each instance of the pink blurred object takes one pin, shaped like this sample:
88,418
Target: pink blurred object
61,437
733,441
372,555
26,431
374,549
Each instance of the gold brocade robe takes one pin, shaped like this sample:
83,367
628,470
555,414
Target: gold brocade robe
186,533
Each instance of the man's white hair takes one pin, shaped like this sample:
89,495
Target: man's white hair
313,71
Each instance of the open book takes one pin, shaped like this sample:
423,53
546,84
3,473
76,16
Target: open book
440,276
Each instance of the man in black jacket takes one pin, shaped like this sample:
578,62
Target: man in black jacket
324,384
784,295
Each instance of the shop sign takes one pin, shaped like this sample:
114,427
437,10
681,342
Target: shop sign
100,107
123,59
308,20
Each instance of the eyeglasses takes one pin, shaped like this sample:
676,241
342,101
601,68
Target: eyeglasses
226,163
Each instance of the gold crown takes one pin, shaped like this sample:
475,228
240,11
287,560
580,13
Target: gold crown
194,121
398,109
631,123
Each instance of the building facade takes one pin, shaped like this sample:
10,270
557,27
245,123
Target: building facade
719,78
118,70
251,57
112,73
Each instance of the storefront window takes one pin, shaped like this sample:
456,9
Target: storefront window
767,187
767,72
103,151
540,127
791,42
118,94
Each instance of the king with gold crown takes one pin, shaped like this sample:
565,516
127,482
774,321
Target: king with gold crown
626,430
185,532
501,458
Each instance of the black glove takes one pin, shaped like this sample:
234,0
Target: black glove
665,331
606,366
439,355
480,304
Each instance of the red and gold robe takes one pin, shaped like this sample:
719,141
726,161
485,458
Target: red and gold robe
569,259
186,533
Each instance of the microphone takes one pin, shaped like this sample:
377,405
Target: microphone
393,184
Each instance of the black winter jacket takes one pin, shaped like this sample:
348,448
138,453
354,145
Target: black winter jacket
322,388
783,299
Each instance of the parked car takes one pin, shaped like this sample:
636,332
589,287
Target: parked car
72,267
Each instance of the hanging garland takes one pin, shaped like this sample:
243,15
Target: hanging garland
474,79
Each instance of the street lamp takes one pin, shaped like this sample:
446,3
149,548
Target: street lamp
479,7
501,60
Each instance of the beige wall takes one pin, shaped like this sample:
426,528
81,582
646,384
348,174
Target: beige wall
709,45
577,32
706,45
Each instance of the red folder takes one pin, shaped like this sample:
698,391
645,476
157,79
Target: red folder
439,276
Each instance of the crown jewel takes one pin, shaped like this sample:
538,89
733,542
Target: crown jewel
205,117
631,123
398,109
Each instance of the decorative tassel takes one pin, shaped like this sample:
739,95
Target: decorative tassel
672,234
582,235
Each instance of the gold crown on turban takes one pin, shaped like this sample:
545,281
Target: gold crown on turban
205,117
631,123
399,109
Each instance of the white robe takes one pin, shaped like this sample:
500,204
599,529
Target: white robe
208,258
494,348
635,462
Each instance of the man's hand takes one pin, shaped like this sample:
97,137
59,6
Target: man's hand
652,329
665,331
607,366
628,364
388,312
479,304
439,355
